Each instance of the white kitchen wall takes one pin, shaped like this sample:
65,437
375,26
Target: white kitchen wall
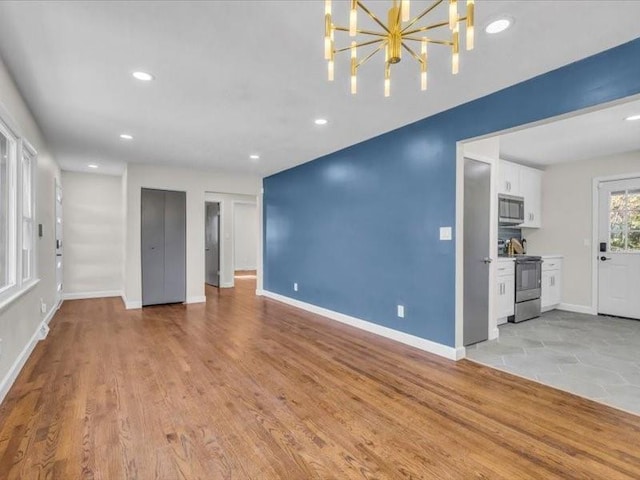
93,233
567,219
245,233
20,320
195,183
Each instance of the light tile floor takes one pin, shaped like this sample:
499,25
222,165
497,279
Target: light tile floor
596,357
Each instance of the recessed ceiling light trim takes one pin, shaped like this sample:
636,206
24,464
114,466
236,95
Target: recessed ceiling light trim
126,136
320,121
254,157
499,25
633,118
92,165
143,76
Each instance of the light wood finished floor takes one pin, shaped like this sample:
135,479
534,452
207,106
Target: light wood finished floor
247,388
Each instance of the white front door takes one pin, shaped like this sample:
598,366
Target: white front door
619,248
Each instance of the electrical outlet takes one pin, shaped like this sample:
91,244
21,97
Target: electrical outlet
401,311
295,287
43,306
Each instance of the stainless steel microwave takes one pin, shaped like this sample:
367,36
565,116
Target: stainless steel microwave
510,210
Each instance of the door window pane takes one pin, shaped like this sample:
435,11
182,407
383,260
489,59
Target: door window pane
624,221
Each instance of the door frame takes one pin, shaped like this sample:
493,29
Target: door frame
595,225
459,245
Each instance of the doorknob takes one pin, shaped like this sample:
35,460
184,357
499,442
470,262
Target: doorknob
487,260
604,259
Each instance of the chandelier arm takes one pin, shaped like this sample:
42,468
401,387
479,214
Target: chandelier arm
428,40
364,32
373,17
364,44
413,54
425,12
366,59
424,29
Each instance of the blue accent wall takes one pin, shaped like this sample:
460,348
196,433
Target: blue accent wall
358,229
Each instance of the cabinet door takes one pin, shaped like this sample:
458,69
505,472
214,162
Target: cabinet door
556,287
508,178
506,296
546,296
531,190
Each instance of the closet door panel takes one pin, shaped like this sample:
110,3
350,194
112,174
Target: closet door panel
175,247
153,246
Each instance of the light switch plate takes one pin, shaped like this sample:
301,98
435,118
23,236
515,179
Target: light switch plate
401,311
445,233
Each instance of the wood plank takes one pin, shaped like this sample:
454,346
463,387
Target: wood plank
246,387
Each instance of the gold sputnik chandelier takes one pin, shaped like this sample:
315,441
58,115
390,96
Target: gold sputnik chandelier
400,32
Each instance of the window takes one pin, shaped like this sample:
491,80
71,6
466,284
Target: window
7,209
624,221
17,215
28,230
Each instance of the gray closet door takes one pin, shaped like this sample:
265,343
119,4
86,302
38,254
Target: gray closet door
175,247
163,242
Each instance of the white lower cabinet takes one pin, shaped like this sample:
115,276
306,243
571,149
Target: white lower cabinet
506,291
551,295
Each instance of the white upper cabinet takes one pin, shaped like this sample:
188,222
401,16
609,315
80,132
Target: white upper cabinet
531,190
508,178
521,181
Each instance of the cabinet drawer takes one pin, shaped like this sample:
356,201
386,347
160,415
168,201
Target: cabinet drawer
505,268
551,264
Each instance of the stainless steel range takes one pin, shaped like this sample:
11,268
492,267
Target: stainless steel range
528,288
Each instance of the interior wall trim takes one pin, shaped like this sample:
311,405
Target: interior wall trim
420,343
198,299
85,295
569,307
130,305
18,364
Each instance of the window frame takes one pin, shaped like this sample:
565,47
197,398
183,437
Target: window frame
26,151
17,285
12,215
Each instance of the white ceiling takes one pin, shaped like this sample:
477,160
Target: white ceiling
238,77
590,135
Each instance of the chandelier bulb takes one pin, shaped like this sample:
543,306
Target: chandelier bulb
406,10
353,18
387,80
453,14
327,7
470,24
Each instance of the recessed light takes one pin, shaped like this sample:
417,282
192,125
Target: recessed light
254,157
633,118
499,25
144,76
92,165
126,136
320,121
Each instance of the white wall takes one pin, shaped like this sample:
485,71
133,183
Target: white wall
245,233
228,206
21,319
93,233
195,183
567,219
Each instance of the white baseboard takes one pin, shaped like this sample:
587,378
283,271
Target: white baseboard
14,371
421,343
495,334
84,295
259,292
568,307
130,305
201,299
